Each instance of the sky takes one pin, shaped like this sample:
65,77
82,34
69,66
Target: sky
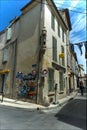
9,9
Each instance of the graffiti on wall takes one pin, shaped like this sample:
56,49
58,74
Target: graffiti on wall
27,84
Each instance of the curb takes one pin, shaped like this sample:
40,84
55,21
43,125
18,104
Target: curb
38,108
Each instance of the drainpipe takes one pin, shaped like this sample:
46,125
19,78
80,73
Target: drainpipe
67,75
39,47
56,86
3,77
14,65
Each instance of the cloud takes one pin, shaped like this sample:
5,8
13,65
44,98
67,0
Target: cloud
76,37
74,3
78,24
59,1
81,58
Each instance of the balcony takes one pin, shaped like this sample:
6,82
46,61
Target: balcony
58,66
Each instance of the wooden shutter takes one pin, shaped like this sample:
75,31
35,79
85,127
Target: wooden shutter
58,29
51,79
54,49
9,34
52,21
61,81
5,56
62,50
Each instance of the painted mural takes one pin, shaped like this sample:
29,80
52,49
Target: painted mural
27,84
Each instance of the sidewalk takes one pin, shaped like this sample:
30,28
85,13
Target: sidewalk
32,106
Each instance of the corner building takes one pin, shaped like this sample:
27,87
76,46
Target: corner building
34,56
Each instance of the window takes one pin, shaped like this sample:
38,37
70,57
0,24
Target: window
65,37
5,55
51,79
52,21
54,43
62,34
61,81
9,34
62,51
58,29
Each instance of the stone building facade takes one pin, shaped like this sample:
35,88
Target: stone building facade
33,59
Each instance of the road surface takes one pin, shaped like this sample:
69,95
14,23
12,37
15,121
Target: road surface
71,116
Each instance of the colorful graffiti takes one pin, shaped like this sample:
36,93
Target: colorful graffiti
27,84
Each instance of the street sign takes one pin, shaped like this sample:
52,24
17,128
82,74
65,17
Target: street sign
44,72
34,72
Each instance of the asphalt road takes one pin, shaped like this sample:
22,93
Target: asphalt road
71,116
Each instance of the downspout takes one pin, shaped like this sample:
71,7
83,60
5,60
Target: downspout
39,47
14,65
2,89
67,48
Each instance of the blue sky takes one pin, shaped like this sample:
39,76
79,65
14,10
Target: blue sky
77,9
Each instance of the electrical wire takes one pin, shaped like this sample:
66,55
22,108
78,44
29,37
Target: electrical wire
63,8
73,11
69,6
57,7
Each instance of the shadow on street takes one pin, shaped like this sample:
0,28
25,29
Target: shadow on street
74,113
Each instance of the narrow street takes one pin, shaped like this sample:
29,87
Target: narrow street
71,116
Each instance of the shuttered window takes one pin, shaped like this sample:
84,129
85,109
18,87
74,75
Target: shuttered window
9,34
62,34
51,80
52,21
5,55
54,43
61,81
63,59
58,29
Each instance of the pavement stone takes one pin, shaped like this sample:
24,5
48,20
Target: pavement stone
32,106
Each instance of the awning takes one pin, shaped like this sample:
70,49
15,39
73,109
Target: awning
58,67
4,71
